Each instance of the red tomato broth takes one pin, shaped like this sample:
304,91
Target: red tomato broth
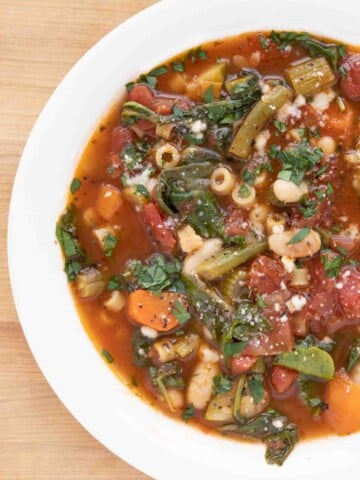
112,331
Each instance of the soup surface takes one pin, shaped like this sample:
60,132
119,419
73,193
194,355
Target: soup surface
211,238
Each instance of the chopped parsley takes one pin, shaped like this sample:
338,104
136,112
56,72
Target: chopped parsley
209,96
108,357
189,412
332,263
75,185
197,54
296,161
299,236
263,42
354,354
307,207
110,242
177,66
222,384
280,127
141,190
158,274
156,72
180,312
244,190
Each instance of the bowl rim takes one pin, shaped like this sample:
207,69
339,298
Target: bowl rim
25,229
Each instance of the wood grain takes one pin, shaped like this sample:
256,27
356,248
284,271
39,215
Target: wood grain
40,40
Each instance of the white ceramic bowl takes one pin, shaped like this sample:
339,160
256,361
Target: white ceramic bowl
155,444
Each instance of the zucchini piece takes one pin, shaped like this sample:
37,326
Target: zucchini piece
311,76
220,407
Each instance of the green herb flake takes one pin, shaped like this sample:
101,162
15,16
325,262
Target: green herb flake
107,356
109,242
256,387
244,190
141,190
209,94
299,236
354,354
188,413
177,66
260,301
280,126
75,185
248,177
222,384
129,86
263,42
233,348
180,312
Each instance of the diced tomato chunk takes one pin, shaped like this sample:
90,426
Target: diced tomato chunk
266,275
120,137
158,231
339,125
349,292
350,82
241,364
236,222
282,378
142,94
279,339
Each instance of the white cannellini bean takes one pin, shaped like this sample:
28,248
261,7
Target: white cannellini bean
255,59
288,192
208,354
149,332
278,243
240,61
327,145
352,157
200,387
248,407
192,261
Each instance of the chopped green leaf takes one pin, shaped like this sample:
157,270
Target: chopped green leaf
178,66
222,384
354,354
129,86
256,387
260,301
299,236
209,94
244,190
189,412
75,185
141,190
233,348
263,42
158,274
280,126
109,245
107,355
156,72
180,312
119,282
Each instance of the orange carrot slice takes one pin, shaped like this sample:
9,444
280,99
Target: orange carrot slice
162,312
343,398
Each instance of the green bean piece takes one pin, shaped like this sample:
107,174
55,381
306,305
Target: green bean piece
311,76
256,120
228,259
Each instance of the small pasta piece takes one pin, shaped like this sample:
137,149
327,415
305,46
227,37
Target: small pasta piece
244,195
167,156
115,302
189,240
259,214
352,158
327,145
222,181
300,277
164,130
240,61
275,224
287,191
200,387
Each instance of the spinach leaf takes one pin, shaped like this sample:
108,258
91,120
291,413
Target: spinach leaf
180,184
332,52
273,429
307,388
312,341
120,282
256,387
208,307
354,354
140,348
189,412
222,384
158,273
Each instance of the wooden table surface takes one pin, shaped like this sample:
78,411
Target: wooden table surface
40,40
